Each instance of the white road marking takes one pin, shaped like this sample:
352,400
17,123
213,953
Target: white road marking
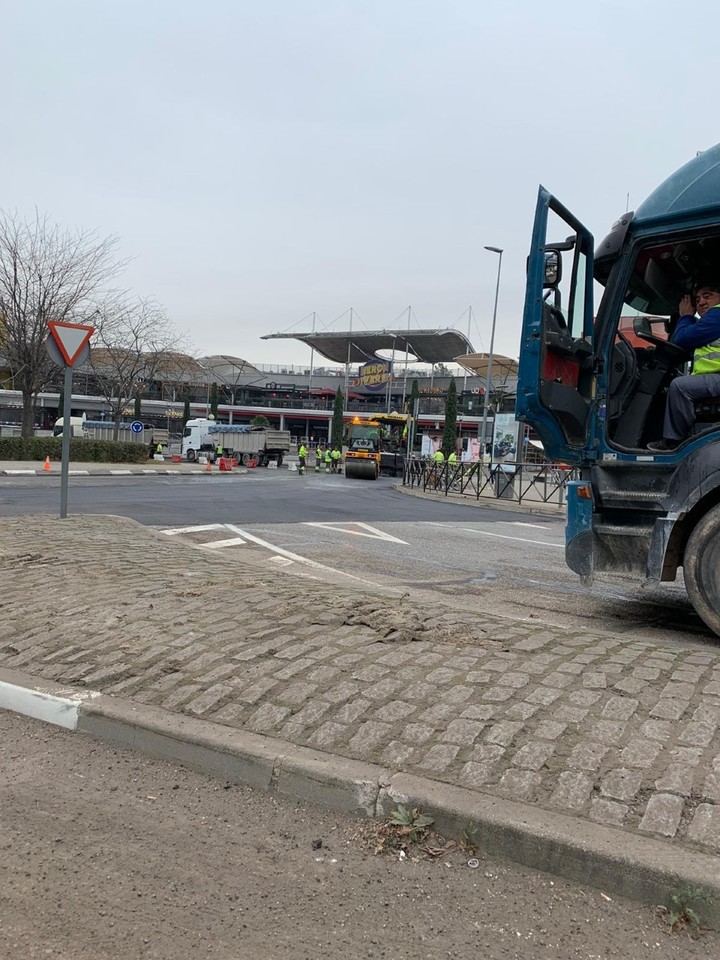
19,473
372,532
499,536
121,473
519,523
295,556
502,536
219,544
281,561
200,529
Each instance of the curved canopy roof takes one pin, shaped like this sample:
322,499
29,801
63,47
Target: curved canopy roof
696,184
359,346
477,363
228,368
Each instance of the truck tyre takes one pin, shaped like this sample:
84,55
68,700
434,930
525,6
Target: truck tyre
190,456
701,568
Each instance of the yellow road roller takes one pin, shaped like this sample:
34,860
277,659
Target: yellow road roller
366,441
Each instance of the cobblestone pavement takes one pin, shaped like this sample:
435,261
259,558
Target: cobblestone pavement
618,730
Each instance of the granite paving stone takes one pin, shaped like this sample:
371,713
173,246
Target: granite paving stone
614,728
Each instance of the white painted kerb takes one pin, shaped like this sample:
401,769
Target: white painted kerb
62,711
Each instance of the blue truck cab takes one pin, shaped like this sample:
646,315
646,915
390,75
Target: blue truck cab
595,367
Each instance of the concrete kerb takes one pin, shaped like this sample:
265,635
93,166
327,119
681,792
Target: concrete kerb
640,868
527,506
125,472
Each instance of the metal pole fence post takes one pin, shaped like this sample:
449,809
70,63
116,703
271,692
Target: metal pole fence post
67,429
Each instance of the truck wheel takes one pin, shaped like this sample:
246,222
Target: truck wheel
190,456
701,568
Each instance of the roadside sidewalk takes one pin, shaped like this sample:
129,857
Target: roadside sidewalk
30,468
493,503
605,745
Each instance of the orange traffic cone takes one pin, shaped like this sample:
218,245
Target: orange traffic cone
46,465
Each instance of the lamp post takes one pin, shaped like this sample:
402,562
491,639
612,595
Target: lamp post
488,377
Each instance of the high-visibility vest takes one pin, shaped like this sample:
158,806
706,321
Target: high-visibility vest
439,456
707,359
452,458
336,454
328,456
302,450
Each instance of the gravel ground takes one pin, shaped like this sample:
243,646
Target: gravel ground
109,855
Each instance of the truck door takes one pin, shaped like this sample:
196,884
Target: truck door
555,375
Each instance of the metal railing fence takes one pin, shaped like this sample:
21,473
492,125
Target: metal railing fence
519,482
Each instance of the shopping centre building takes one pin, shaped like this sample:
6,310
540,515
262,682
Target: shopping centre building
374,371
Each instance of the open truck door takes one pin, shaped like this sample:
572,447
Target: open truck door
555,375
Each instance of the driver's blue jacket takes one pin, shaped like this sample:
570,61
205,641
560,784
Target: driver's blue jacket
691,333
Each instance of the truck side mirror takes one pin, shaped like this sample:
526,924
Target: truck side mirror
553,269
641,326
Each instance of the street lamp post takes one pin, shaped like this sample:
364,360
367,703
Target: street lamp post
488,377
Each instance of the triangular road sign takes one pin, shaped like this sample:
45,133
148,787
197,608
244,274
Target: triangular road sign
366,530
70,338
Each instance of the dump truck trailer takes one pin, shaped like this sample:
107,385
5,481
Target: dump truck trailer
202,437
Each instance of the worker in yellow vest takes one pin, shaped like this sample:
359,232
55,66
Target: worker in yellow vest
438,458
452,459
302,457
336,456
319,457
328,460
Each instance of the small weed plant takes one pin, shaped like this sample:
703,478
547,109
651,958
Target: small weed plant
684,909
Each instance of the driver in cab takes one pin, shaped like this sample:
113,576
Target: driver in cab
698,332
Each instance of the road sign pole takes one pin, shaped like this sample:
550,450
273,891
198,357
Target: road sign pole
67,430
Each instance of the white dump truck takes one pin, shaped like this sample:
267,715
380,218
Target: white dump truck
77,426
201,437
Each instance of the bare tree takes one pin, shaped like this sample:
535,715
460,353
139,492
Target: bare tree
133,340
46,273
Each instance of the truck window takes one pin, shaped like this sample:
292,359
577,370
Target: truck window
187,432
641,361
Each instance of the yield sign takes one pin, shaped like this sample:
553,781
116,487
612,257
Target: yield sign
70,338
366,530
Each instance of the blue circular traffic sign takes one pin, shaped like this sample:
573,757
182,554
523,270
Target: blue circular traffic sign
136,426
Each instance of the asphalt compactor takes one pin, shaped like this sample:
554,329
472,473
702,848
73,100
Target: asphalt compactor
367,441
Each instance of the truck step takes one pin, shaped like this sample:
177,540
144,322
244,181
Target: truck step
647,498
622,530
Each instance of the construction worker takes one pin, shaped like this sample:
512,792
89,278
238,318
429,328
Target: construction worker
438,457
452,459
328,459
218,451
336,460
302,457
319,457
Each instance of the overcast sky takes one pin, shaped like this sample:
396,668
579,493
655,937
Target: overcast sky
260,161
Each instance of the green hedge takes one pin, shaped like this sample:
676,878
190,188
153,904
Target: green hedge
82,451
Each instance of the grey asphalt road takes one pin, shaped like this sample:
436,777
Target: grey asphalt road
489,558
260,497
110,856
